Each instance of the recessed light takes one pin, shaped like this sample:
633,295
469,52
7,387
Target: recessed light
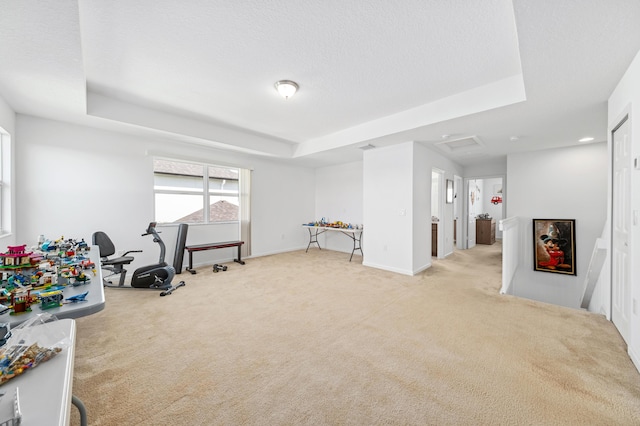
589,139
514,138
446,136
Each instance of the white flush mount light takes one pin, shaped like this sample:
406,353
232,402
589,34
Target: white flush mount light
286,88
514,138
589,139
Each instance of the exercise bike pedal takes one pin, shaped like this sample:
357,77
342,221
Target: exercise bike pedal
172,288
217,268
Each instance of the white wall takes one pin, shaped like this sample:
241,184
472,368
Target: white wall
7,123
74,180
435,185
388,208
567,183
626,98
338,197
421,218
488,168
397,207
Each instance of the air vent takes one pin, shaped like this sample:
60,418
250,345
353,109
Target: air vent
366,147
466,144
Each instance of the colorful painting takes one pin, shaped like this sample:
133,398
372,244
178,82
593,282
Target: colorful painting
554,246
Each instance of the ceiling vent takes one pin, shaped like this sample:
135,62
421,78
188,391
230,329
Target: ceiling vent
460,145
366,147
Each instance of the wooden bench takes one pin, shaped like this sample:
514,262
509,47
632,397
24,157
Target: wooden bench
213,246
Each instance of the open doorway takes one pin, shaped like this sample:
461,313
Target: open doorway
484,208
458,241
437,223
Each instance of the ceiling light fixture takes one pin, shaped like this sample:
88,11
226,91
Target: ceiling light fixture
585,140
286,88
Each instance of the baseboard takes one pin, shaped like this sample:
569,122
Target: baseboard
422,268
634,358
386,268
287,250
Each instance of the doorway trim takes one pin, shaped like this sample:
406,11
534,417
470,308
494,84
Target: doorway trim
623,118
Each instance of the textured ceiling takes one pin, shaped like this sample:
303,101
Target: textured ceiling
376,72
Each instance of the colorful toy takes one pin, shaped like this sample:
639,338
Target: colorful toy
15,360
82,297
16,257
51,299
21,301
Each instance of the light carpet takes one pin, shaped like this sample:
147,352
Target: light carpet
313,339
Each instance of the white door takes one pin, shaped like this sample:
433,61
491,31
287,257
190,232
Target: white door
472,199
620,284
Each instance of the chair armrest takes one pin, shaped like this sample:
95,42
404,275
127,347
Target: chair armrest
132,251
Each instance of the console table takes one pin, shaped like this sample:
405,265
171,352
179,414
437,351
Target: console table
485,231
354,234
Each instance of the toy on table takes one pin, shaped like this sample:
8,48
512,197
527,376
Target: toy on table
51,299
82,297
21,301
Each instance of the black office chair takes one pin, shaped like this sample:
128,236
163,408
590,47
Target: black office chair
116,264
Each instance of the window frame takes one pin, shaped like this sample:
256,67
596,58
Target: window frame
6,177
206,192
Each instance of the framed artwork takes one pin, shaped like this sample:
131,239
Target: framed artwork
554,246
449,191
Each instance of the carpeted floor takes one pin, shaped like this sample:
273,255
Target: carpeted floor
312,339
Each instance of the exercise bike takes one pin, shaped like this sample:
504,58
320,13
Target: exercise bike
158,275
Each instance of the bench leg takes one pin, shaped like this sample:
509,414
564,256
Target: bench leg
239,259
190,268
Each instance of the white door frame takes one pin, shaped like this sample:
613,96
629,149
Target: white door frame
441,219
620,298
465,205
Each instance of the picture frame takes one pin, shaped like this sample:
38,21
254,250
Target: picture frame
449,192
554,246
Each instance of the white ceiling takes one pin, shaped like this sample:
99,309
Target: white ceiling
370,72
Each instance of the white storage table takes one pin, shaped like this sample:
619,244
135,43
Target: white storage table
45,391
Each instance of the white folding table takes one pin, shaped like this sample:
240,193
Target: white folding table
354,234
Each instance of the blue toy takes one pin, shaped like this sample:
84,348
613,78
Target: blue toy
82,297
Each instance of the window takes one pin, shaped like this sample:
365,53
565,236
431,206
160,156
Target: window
187,192
5,182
